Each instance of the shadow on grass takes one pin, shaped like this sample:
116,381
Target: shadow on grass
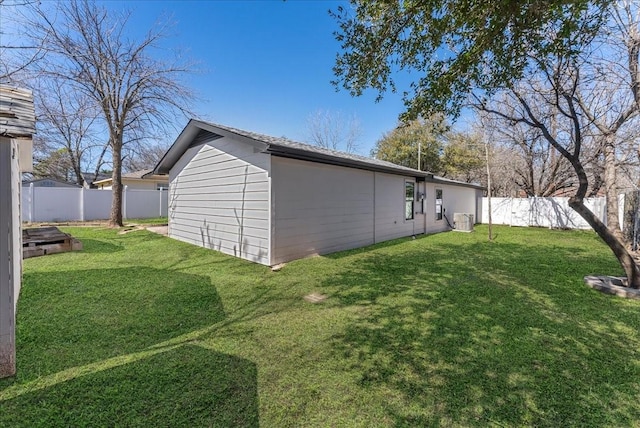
121,348
112,242
475,334
97,246
102,313
185,386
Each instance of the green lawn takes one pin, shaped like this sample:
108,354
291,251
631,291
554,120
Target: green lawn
156,221
447,329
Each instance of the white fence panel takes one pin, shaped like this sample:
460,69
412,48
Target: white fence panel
164,203
97,204
57,204
541,212
520,212
500,211
145,203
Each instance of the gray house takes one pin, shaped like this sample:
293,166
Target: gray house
271,200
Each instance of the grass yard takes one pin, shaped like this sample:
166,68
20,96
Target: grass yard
447,329
155,221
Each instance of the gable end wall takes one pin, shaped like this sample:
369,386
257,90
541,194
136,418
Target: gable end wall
219,197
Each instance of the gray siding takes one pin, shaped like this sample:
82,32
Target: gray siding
460,200
319,208
455,199
390,198
219,199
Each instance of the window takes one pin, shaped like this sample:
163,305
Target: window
439,204
409,192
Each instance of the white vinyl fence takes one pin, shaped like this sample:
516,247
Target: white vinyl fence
58,204
544,212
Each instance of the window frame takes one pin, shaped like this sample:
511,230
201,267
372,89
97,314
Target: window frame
439,204
408,184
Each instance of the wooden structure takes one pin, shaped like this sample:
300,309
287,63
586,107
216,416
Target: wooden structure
41,241
17,125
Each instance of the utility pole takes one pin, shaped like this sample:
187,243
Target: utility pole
486,154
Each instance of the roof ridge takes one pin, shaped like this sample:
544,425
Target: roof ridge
284,141
285,147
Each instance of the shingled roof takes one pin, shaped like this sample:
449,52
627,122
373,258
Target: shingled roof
198,131
137,174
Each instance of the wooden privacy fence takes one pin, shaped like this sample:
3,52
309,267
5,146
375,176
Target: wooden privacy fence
544,212
57,204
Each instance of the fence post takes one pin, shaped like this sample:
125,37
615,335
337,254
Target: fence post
532,208
511,212
160,204
82,203
124,202
31,203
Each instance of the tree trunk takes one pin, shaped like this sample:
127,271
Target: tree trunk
631,211
78,174
611,187
115,220
619,250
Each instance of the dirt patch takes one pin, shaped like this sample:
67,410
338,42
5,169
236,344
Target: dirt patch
128,229
97,223
161,230
315,297
278,267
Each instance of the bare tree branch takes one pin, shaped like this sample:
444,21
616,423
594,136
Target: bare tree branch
333,131
137,94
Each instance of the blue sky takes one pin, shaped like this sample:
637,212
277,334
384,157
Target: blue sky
265,65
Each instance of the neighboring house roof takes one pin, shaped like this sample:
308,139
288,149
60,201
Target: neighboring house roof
89,181
44,182
137,174
88,175
143,174
198,131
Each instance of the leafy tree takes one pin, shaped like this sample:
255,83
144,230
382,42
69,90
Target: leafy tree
55,164
559,99
463,157
400,146
455,46
535,51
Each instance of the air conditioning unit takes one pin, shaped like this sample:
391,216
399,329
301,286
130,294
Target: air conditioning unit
463,222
